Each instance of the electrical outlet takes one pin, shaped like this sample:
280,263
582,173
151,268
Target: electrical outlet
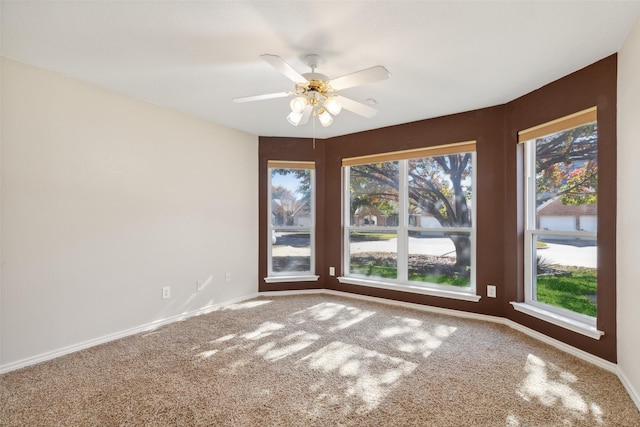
166,292
491,291
332,271
199,286
227,277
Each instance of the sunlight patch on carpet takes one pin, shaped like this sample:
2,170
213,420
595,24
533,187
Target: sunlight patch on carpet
550,386
263,331
413,336
207,354
512,421
366,374
287,346
340,316
225,338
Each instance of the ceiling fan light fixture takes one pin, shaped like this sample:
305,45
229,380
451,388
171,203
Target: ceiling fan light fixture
333,105
325,118
298,104
294,118
315,94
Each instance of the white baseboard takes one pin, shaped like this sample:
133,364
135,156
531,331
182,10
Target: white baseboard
289,293
629,387
117,335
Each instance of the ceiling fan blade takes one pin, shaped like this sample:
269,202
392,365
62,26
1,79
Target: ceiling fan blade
261,97
361,77
357,107
286,69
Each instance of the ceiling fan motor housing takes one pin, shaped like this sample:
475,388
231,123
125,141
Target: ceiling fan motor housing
316,89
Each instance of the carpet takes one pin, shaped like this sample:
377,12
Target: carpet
318,360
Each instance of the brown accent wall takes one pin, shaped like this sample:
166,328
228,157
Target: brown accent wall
300,150
592,85
499,188
486,128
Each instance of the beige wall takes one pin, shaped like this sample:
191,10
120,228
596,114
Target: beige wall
627,222
106,200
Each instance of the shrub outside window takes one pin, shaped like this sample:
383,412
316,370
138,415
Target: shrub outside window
409,217
561,199
291,240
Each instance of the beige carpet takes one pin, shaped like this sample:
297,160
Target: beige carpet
318,360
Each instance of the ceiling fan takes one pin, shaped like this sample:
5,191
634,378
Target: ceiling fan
315,94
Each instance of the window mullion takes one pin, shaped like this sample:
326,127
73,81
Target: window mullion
346,221
312,231
403,221
530,215
269,227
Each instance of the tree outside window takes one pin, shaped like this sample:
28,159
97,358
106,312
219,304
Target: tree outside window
561,235
410,219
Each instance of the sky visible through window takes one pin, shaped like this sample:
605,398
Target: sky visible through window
289,181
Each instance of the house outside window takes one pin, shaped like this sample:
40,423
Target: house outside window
291,231
561,201
409,220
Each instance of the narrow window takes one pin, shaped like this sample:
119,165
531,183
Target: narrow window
561,199
291,239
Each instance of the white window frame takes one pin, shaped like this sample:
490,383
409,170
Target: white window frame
402,282
568,319
291,276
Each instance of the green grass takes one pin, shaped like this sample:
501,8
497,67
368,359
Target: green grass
383,268
390,272
386,270
376,271
569,291
440,279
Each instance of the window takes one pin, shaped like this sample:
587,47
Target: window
409,221
291,241
561,197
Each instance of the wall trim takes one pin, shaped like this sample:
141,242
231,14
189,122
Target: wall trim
118,335
635,396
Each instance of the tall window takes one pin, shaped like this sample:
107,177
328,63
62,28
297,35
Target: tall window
409,218
291,219
561,216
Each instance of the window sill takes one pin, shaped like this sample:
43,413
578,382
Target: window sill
410,288
558,320
280,279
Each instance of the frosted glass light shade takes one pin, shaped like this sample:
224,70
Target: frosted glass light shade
298,104
325,118
333,105
294,118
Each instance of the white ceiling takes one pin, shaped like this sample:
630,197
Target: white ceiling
444,56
